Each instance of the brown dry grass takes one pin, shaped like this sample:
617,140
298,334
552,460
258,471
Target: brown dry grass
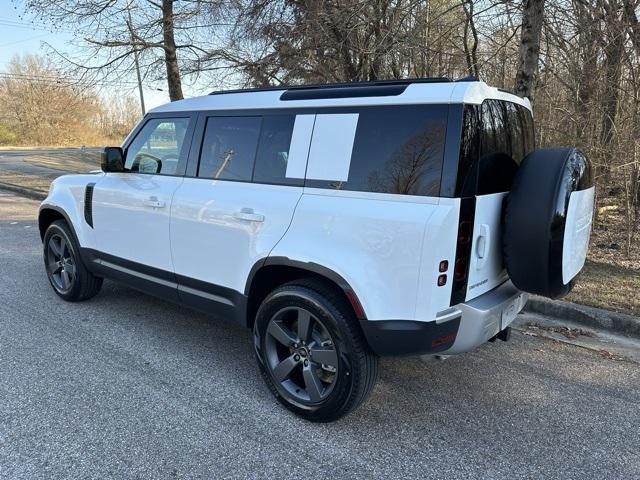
611,276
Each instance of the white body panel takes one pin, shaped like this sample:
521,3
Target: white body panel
486,269
67,194
299,146
220,229
441,231
331,146
376,243
131,217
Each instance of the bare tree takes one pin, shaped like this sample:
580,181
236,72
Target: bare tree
470,27
169,36
44,107
532,19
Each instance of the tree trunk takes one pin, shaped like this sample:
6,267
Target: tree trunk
587,74
170,52
631,19
471,55
613,52
532,18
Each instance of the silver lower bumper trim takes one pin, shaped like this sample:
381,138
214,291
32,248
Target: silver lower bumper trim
482,317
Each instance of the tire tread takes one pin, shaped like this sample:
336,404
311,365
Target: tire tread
365,362
89,284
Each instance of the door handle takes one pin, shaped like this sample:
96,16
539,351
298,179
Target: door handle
248,215
482,244
153,202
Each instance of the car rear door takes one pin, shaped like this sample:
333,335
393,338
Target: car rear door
244,179
505,137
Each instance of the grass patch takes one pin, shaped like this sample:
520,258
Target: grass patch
609,286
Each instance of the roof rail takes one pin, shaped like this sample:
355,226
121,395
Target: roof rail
468,78
341,85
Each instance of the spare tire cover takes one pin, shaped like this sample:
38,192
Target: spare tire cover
547,221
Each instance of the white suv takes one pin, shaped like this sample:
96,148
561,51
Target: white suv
339,222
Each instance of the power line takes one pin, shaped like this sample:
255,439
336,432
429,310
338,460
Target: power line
24,40
31,26
68,81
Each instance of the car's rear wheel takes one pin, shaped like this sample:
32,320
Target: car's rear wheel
66,272
311,351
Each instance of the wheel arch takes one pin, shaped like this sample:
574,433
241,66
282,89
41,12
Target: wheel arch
49,214
271,272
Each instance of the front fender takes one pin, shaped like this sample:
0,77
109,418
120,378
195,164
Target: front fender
66,197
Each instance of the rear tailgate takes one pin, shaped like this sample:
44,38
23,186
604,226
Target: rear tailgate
486,265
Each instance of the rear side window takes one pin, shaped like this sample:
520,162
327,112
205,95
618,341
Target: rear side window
396,149
274,152
229,148
252,148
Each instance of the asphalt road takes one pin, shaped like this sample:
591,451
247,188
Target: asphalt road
35,168
129,386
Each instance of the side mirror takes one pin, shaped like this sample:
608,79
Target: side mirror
112,160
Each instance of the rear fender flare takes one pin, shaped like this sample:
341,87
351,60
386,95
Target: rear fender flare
311,267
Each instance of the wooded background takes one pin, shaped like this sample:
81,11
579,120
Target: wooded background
578,61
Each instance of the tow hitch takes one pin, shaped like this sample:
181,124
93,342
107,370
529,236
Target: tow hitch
504,335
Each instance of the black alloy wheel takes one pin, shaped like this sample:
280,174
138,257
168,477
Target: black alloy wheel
65,268
60,263
301,355
311,350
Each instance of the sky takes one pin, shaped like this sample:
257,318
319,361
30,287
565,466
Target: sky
18,35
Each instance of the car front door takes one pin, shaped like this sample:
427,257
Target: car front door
131,209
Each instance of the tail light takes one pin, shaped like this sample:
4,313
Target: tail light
463,250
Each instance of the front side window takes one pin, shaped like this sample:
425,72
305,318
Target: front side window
229,148
157,147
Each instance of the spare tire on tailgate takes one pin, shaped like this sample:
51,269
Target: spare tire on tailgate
547,221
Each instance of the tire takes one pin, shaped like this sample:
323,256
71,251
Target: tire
327,374
65,269
547,221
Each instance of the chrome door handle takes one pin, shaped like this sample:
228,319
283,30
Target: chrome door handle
153,202
248,215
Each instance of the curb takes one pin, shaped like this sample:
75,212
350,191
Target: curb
613,322
26,192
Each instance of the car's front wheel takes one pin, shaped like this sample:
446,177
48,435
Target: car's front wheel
311,351
66,272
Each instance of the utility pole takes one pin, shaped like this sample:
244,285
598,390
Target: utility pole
135,60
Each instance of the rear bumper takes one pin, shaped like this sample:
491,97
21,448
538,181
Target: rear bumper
487,315
459,329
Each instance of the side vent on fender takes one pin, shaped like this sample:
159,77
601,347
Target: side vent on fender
88,204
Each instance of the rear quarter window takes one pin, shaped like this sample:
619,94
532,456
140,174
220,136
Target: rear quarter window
396,149
496,137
